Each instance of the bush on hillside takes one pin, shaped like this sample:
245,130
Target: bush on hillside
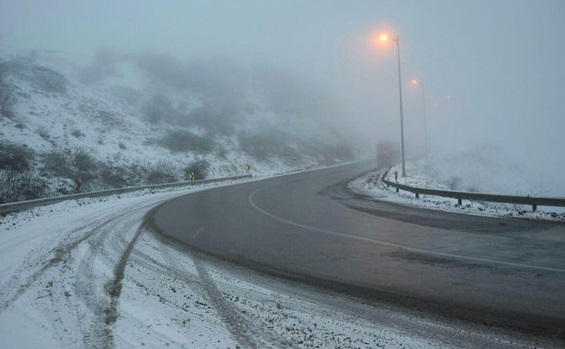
4,70
266,144
215,121
77,133
15,157
162,172
159,108
113,177
185,141
85,166
83,161
20,186
199,168
7,101
329,154
57,163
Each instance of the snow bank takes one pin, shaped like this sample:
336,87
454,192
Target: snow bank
479,171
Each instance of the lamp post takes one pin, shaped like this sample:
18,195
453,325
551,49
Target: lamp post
385,38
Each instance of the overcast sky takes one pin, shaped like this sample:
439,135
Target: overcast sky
492,71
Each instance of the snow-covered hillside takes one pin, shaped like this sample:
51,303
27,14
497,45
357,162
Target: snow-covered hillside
122,120
55,112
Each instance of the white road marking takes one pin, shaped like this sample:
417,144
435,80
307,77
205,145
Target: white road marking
390,244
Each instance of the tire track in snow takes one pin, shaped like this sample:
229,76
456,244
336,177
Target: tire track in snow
104,304
92,288
237,326
246,332
20,287
114,288
95,333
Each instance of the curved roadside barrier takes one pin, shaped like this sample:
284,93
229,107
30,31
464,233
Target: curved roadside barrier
24,205
460,196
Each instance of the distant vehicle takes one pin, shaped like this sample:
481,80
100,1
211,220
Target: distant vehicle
388,154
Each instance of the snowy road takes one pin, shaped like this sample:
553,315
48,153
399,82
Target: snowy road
87,274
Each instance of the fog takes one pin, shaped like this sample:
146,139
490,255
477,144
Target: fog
491,72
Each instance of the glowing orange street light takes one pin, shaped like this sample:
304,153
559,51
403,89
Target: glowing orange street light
386,38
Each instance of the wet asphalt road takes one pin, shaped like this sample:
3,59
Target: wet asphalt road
309,226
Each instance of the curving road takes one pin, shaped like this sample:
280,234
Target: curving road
508,273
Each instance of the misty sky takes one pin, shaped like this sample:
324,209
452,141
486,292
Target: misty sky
493,71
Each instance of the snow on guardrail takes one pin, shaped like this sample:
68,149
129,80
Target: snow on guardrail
23,205
460,196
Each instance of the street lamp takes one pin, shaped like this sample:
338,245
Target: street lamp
386,38
420,83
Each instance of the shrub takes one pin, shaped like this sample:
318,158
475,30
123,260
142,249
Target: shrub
7,101
162,172
112,178
159,108
15,157
4,70
7,97
184,141
199,168
222,152
135,174
77,133
19,186
84,163
77,164
332,153
57,163
266,144
216,121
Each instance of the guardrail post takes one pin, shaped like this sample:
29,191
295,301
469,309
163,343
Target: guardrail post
534,207
397,190
417,195
459,201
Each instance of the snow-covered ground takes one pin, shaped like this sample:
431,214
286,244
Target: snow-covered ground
479,171
127,127
67,115
69,280
87,274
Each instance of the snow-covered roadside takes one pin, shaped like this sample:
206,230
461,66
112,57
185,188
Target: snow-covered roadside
53,273
57,290
58,261
372,186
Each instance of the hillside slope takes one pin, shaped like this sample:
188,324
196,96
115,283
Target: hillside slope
135,127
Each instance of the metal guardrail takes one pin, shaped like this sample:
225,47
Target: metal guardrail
24,205
460,196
